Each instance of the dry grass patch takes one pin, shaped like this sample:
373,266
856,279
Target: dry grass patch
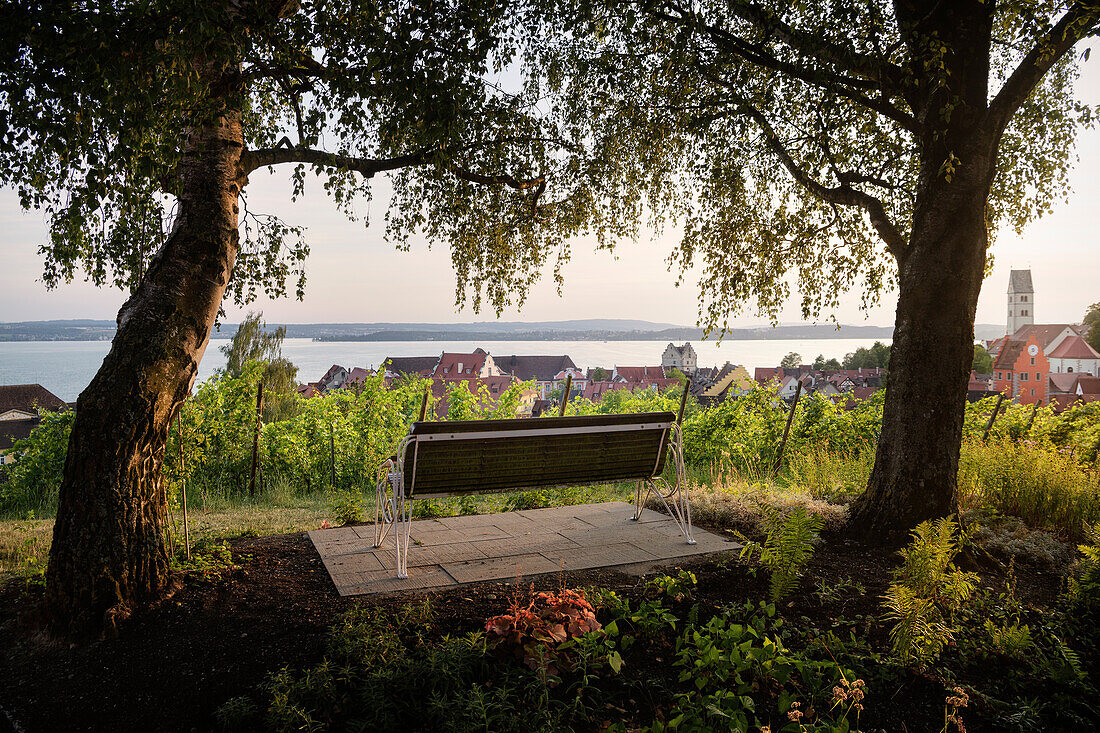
24,546
739,505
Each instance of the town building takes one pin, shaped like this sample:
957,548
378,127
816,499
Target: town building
1022,371
21,406
545,371
477,364
1021,301
680,357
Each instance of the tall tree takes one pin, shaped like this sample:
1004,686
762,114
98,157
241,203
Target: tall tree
1092,320
835,144
135,127
253,342
791,361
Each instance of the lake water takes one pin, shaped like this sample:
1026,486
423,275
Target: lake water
66,367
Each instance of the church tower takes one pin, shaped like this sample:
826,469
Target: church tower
1021,300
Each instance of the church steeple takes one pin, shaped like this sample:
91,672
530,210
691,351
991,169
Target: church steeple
1021,300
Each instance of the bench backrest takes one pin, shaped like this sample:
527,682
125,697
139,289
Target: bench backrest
475,456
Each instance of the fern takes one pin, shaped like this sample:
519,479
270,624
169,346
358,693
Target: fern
917,635
1085,588
788,546
927,591
1012,640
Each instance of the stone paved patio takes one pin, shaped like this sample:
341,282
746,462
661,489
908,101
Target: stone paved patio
452,551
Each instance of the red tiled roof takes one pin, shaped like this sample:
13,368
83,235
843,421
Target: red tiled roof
1011,351
449,363
28,398
640,374
1088,385
358,375
1043,333
767,374
539,368
594,391
1074,347
1064,382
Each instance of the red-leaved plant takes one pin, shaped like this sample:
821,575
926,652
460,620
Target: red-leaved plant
533,631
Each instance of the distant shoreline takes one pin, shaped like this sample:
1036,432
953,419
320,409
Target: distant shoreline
582,330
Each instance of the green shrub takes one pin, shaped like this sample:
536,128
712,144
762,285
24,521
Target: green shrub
927,591
384,672
347,505
788,546
35,478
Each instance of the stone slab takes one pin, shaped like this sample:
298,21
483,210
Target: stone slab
449,551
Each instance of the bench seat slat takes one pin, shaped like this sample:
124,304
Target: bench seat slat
500,455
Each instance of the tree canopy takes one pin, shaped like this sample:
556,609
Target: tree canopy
95,97
785,138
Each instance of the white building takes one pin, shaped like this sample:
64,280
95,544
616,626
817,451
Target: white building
1073,355
1021,301
680,357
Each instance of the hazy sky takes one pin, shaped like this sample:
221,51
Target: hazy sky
354,275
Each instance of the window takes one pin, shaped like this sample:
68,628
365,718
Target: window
1023,312
1032,393
1023,298
1033,361
1070,370
1038,377
998,375
1023,376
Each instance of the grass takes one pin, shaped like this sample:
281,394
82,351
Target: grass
1047,489
1044,487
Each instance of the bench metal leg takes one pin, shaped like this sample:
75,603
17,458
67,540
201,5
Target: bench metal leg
403,523
672,496
383,504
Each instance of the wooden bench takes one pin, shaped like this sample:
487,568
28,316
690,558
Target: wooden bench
481,456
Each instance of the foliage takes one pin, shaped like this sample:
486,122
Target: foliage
34,479
728,661
788,546
1092,320
252,342
983,361
99,103
385,671
791,361
533,631
675,587
1085,588
846,105
1045,486
347,505
927,590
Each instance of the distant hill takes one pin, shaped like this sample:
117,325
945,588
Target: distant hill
600,329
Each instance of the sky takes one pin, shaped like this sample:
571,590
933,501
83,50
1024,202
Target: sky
356,276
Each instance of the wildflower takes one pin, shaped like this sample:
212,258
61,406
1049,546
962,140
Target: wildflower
794,714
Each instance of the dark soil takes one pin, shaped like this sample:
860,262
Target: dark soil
220,636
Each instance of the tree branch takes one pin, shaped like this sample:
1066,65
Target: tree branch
876,69
842,194
253,159
848,87
1079,21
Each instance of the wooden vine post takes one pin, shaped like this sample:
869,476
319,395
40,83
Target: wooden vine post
183,483
993,417
256,440
787,428
1031,419
565,395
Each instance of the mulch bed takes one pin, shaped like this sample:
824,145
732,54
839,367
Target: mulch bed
217,638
